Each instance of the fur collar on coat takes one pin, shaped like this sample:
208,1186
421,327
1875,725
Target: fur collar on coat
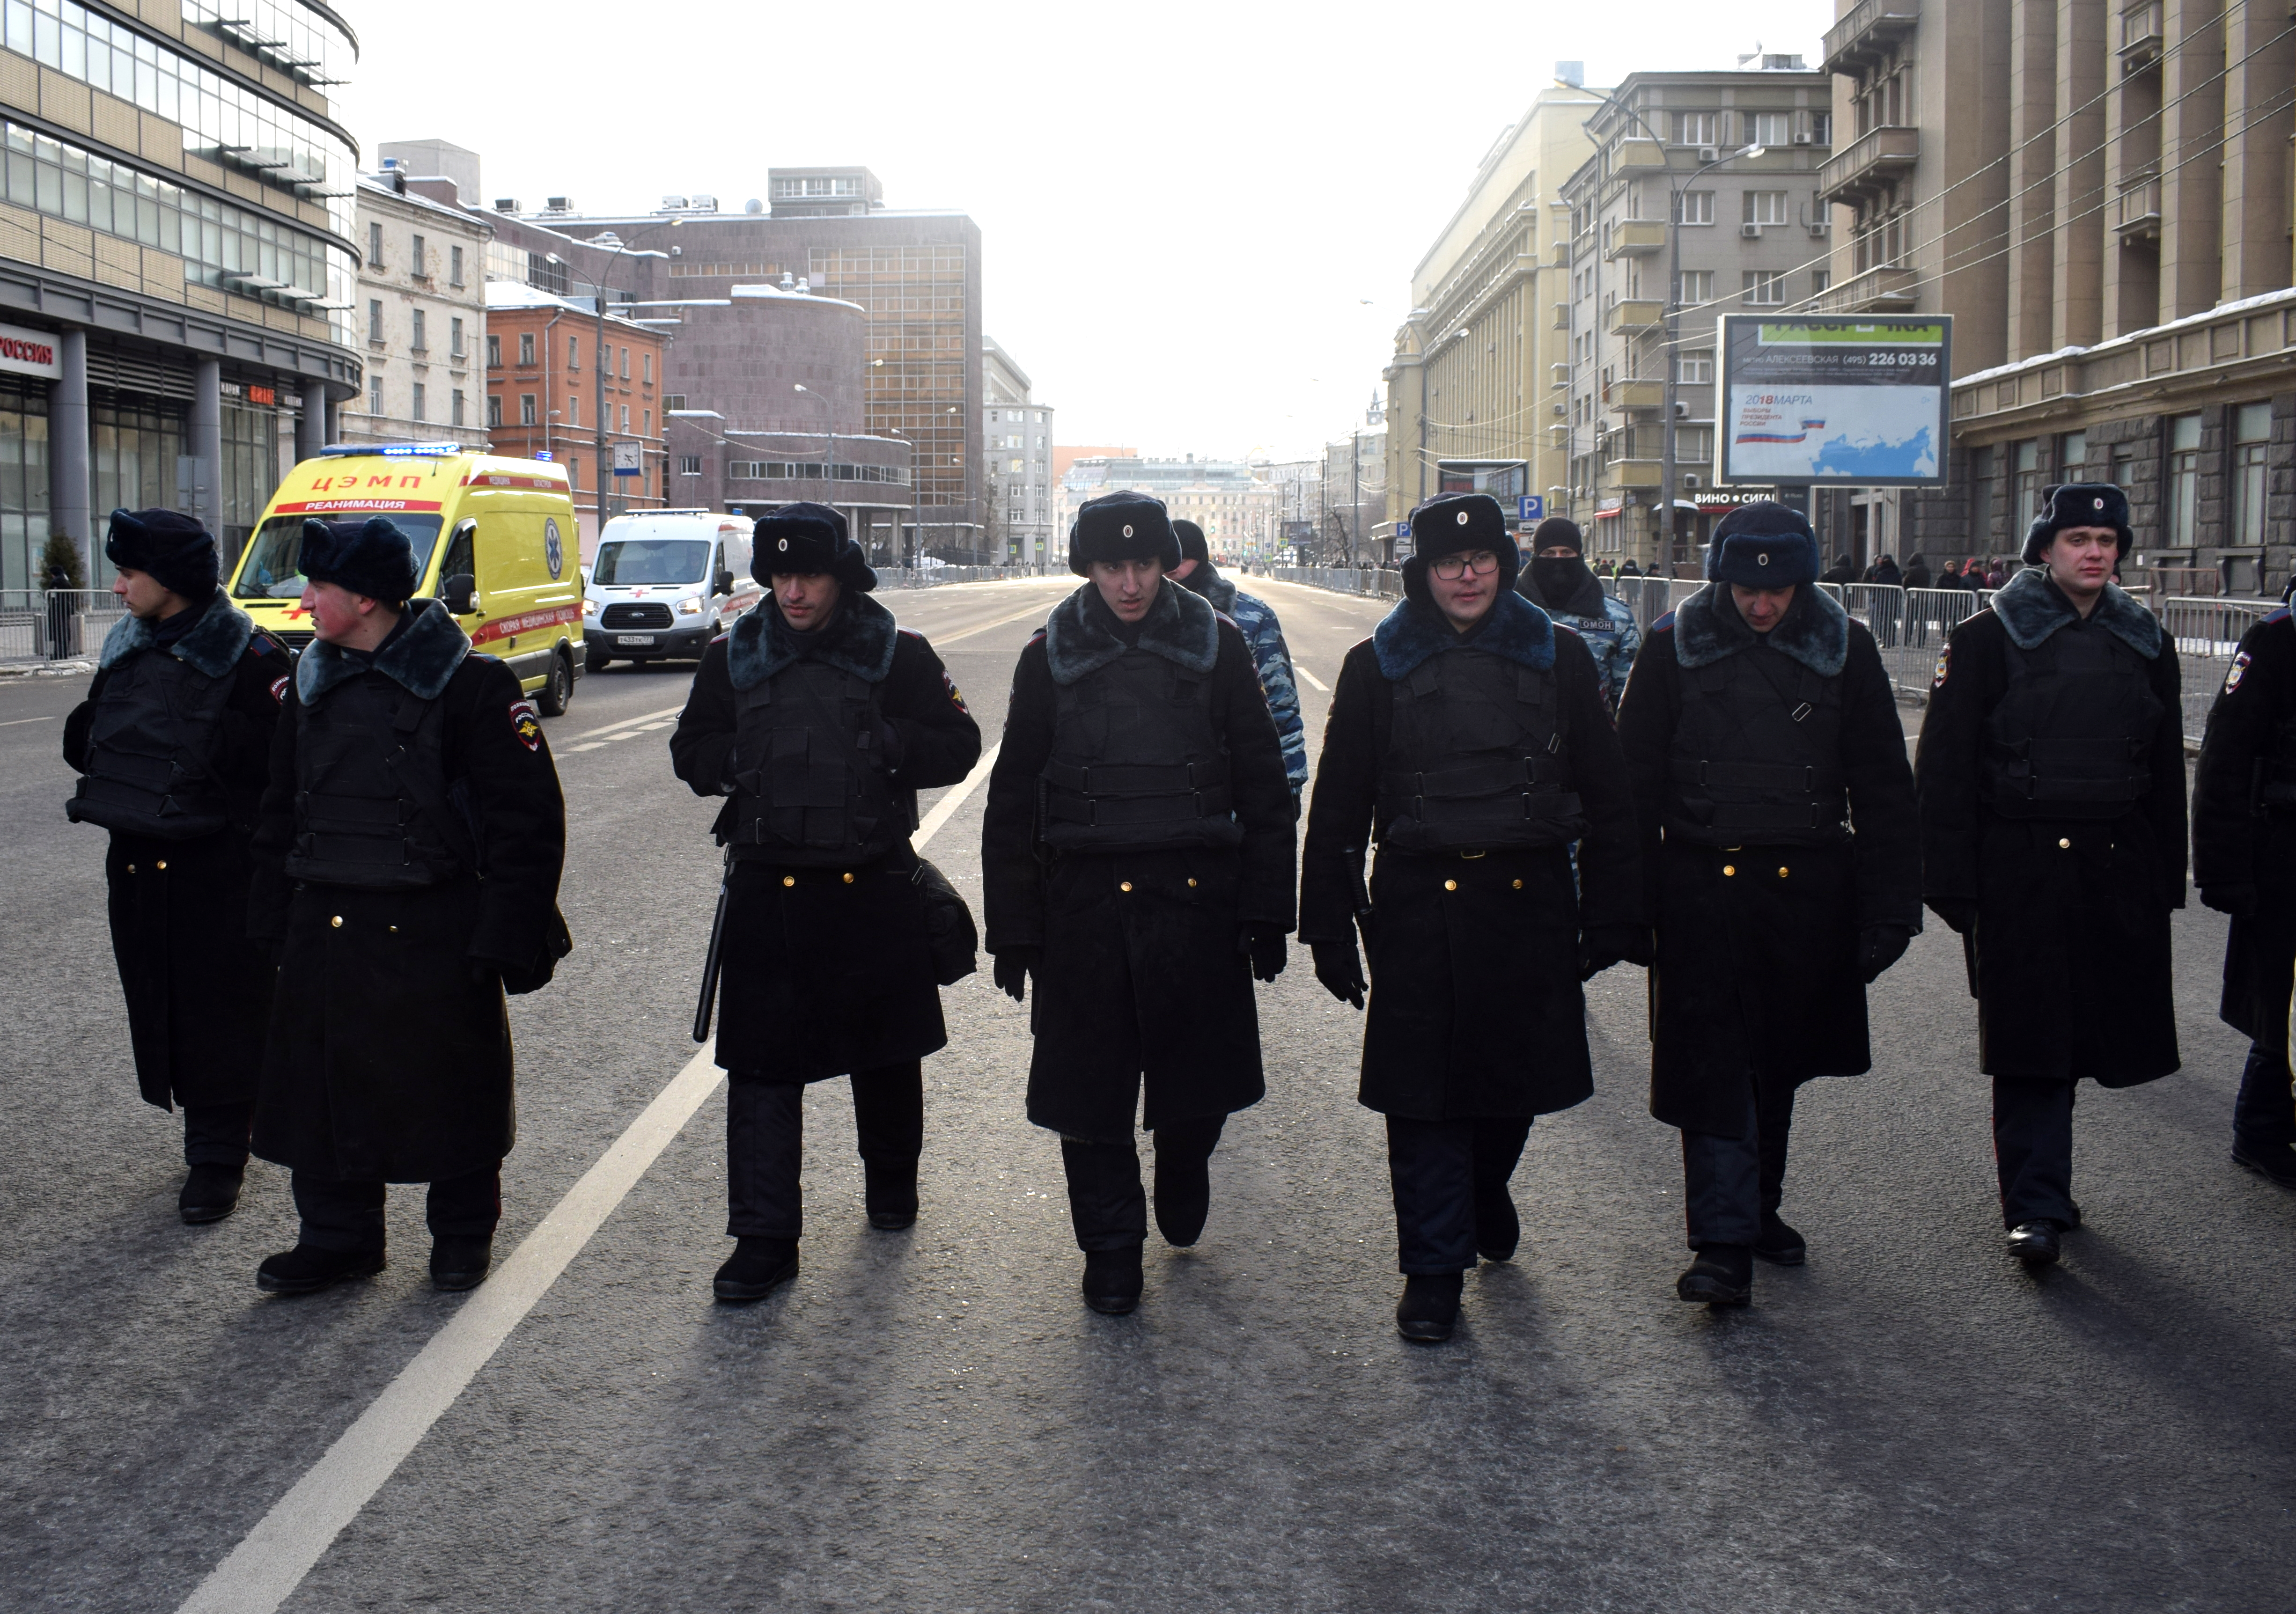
420,660
213,645
1206,580
1415,630
1180,627
858,640
1815,632
2031,608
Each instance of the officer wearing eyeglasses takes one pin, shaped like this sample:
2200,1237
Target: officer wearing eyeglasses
1469,738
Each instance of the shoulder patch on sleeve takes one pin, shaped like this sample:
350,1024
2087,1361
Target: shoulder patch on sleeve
1944,663
526,722
2278,616
2239,667
1036,638
956,697
258,644
909,633
1664,624
279,692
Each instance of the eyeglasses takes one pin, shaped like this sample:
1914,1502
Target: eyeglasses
1452,567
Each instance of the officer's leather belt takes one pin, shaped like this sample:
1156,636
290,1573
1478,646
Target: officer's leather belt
1803,781
1110,794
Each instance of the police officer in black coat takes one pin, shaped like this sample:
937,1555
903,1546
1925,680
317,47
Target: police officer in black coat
173,744
2051,775
1469,736
2244,863
408,858
1138,861
1784,860
819,720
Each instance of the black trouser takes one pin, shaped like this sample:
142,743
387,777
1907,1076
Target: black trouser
2033,1149
2264,1115
765,1143
1730,1184
1108,1206
1439,1170
346,1215
216,1134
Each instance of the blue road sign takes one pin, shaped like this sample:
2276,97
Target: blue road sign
1403,528
1529,507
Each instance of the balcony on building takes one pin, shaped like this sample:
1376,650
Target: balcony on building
1868,34
1884,289
1637,473
1629,395
1637,155
2137,210
2140,37
1633,237
1636,315
1870,164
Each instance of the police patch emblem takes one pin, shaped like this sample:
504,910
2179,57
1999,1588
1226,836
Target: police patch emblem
954,698
526,722
279,692
2239,665
1944,654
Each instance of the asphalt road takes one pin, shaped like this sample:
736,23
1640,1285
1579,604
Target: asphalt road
933,1420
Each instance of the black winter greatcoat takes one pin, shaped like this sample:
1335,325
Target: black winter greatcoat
1475,1009
1141,982
2070,959
197,988
1757,966
825,970
2237,841
390,1053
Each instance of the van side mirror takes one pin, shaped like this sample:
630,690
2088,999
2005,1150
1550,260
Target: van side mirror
723,583
458,594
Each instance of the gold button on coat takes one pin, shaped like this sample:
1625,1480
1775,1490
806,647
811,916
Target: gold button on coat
1450,885
2064,846
849,878
1518,885
1782,873
1192,882
337,922
1729,868
394,929
161,866
131,868
789,880
1124,885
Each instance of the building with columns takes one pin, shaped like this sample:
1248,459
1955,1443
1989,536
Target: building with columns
177,262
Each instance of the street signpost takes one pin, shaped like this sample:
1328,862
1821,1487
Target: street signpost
1531,507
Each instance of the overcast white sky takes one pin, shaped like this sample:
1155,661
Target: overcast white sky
1199,221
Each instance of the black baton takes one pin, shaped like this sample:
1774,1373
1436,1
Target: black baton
709,966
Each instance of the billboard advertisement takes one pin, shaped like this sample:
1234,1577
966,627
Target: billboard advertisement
1850,402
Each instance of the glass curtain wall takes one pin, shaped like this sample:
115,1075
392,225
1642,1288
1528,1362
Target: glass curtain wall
133,447
250,472
23,481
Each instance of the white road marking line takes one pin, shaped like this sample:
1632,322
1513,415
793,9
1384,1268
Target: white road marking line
567,750
270,1562
666,711
1031,612
13,722
1311,677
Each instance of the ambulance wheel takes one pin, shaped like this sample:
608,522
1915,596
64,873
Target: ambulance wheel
595,661
558,689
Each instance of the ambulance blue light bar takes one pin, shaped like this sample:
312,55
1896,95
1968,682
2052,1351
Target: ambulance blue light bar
391,451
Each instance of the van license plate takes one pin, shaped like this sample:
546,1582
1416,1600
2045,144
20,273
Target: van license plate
633,638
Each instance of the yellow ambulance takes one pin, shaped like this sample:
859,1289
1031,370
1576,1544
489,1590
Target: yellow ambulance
495,542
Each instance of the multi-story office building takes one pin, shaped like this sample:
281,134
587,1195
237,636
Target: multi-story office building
177,262
1351,499
915,274
1236,509
2100,195
1475,383
1668,175
1019,475
423,308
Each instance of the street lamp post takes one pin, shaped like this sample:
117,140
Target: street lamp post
828,434
598,357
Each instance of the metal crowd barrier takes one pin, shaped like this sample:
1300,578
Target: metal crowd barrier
55,624
1365,582
933,576
2207,633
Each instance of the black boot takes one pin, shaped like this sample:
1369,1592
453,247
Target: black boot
210,1194
891,1193
306,1270
2035,1242
1113,1279
756,1268
460,1261
2273,1162
1183,1198
1497,1229
1779,1244
1723,1275
1430,1308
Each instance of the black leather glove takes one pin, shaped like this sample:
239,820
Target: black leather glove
1603,946
483,972
1265,944
2239,900
1878,947
1012,968
1959,913
1339,969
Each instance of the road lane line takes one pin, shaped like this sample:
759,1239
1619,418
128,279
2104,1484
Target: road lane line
1033,611
13,722
1311,677
271,1560
666,711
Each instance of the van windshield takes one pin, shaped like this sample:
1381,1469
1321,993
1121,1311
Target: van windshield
626,562
271,570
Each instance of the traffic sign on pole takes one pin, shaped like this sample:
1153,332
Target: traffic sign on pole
1531,507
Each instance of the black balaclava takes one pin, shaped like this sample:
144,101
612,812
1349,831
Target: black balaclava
1561,580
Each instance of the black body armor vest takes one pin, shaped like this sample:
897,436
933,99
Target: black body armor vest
373,804
1757,754
810,785
1136,762
155,751
2072,736
1478,759
2275,770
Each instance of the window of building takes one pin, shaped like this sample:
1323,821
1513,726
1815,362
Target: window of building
2026,458
545,275
494,408
1695,287
454,265
1771,128
456,418
1821,128
1984,473
689,464
573,408
1694,128
573,471
573,353
418,409
1694,367
2183,480
1768,207
626,417
374,246
525,409
417,265
626,364
2251,434
1763,286
494,352
647,360
672,402
455,337
2124,466
526,348
374,319
2072,457
1694,445
645,427
1693,207
374,392
1819,279
421,342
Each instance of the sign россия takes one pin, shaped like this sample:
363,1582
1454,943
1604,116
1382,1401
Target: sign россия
1848,402
30,352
